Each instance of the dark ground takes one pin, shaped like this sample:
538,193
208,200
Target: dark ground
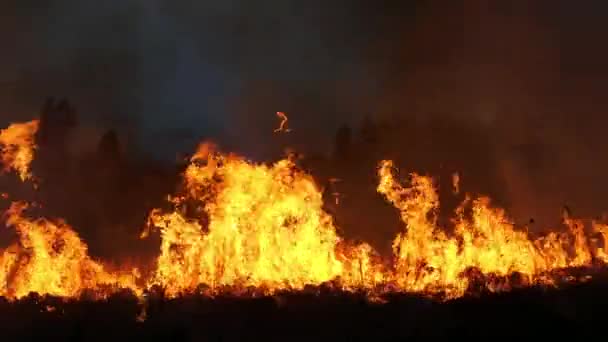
576,311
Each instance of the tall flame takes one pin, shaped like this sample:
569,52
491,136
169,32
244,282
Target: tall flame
265,228
427,259
602,252
17,143
238,224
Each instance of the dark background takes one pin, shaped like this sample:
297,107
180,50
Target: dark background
508,93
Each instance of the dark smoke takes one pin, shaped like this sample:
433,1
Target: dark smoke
509,93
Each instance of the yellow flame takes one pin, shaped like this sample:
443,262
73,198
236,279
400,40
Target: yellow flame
51,259
239,224
17,142
265,228
429,260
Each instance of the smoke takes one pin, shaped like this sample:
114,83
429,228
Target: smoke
179,71
525,74
512,89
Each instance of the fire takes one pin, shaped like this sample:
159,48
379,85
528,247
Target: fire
428,260
50,259
282,128
18,147
265,228
238,225
602,228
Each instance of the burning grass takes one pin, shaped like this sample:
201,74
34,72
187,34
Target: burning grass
252,230
318,313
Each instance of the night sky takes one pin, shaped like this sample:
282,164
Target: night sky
179,71
166,74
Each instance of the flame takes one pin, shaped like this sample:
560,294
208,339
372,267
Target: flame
428,260
50,259
266,228
282,128
602,228
239,225
18,147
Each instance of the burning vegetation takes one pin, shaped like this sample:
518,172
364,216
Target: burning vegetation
18,146
241,227
51,259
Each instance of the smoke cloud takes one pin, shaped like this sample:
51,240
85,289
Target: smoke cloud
509,93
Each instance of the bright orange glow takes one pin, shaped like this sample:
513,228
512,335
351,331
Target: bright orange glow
246,228
50,259
428,260
602,252
17,143
266,228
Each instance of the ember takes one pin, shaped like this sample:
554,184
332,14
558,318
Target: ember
282,127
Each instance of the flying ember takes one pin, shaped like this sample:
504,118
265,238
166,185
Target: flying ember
282,127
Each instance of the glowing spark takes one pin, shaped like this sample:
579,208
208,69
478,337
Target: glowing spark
282,128
144,233
238,225
456,182
264,227
337,197
335,193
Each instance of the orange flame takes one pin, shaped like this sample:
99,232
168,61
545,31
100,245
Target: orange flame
239,224
18,147
51,259
428,260
266,228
